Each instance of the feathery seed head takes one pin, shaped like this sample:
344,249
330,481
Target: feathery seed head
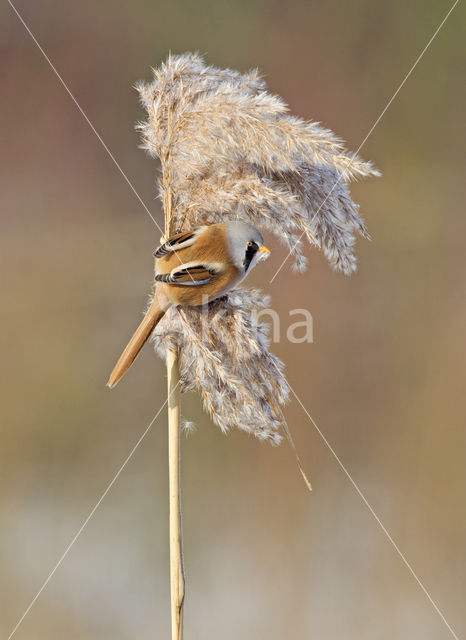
224,356
232,151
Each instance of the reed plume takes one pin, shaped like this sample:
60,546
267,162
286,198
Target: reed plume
236,152
231,150
224,357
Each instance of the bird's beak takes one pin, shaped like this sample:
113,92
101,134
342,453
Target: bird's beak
264,248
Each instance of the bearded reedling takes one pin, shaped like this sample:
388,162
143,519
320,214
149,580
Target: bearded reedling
193,268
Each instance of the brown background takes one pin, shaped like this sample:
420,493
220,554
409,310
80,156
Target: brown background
384,379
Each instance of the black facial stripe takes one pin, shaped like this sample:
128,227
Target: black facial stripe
251,251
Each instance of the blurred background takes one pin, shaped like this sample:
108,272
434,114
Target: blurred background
384,378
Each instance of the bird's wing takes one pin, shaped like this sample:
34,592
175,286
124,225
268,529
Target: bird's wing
177,242
191,274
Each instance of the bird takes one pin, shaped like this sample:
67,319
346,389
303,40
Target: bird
192,268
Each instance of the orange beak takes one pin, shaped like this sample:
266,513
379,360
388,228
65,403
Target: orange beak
264,248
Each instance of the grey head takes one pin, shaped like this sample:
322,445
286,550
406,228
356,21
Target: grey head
246,245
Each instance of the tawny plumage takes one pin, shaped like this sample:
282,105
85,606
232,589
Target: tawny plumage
193,268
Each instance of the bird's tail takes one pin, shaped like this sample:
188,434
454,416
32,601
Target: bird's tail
153,316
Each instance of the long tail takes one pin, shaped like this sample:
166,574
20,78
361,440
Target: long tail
154,314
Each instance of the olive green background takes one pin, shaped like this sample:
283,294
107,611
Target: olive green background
384,378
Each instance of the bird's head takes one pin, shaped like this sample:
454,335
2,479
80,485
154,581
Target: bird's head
246,245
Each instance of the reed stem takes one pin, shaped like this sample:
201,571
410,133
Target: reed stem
173,382
176,539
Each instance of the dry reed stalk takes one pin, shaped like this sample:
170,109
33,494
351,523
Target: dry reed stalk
177,579
176,534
